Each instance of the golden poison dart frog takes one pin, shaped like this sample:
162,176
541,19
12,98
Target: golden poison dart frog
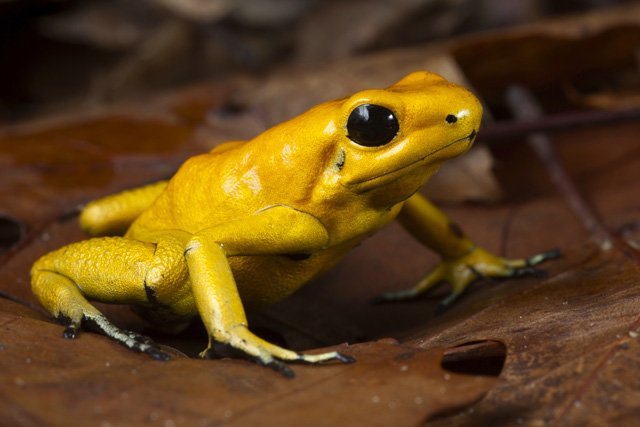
248,223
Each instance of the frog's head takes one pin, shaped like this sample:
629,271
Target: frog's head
396,138
379,144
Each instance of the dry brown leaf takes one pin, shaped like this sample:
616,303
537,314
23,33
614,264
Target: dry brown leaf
565,347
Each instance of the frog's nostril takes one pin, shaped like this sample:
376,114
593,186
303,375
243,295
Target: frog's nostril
451,119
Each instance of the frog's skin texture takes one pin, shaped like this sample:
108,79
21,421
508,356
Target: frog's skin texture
251,222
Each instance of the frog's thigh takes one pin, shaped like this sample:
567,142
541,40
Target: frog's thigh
110,269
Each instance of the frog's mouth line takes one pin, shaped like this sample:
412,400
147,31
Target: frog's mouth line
469,137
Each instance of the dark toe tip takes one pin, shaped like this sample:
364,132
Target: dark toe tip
344,358
553,254
531,272
539,274
546,256
159,355
70,333
282,369
442,308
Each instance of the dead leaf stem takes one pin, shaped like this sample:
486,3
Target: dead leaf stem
525,108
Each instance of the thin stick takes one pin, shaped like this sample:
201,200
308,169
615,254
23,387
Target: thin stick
525,107
539,123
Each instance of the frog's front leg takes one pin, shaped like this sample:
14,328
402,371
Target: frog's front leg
462,261
277,230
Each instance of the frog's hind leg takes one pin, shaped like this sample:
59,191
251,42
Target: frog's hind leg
62,298
111,270
113,214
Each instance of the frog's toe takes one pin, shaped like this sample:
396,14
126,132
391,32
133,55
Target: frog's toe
219,350
132,340
71,331
144,344
72,327
526,267
447,302
529,272
325,357
428,283
403,295
208,353
544,256
345,358
280,367
157,354
243,343
527,264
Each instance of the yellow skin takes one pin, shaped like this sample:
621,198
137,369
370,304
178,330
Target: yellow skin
251,222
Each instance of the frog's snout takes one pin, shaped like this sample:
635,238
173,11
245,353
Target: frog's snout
466,118
454,118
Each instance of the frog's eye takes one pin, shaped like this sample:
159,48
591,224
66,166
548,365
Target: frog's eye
372,125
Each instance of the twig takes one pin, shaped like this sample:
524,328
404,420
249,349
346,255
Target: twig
554,123
524,107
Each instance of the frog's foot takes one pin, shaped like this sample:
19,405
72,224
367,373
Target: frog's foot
462,271
132,340
241,341
60,296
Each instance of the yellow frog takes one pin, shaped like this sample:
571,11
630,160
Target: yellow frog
251,222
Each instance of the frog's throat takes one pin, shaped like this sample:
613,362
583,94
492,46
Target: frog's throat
362,183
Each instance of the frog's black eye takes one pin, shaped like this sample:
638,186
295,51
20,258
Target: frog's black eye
372,125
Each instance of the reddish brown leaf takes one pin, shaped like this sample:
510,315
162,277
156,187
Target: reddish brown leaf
45,377
565,347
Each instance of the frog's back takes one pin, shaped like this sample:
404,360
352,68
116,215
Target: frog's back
233,181
208,189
